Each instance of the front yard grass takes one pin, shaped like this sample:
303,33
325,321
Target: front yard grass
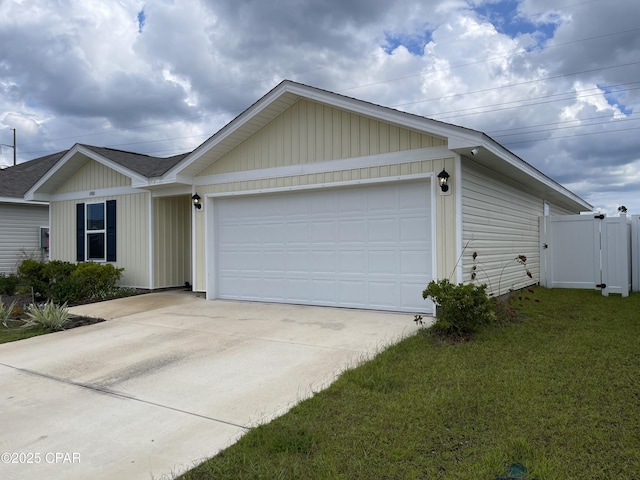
557,394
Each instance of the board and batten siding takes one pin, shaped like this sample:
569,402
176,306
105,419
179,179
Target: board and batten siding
20,233
93,176
445,206
499,222
132,235
310,132
172,241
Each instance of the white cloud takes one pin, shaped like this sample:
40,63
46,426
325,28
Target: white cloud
94,72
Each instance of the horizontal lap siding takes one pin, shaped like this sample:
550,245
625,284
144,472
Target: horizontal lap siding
20,233
500,222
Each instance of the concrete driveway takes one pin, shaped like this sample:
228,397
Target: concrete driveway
168,381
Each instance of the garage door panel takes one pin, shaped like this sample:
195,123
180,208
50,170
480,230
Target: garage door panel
353,262
412,229
414,262
322,261
323,291
362,247
383,261
383,230
353,231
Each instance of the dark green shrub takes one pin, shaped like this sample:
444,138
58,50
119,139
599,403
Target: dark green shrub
31,273
69,290
97,277
462,309
8,284
57,271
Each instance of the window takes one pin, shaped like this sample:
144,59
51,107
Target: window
96,231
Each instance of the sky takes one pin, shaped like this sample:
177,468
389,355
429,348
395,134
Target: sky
557,82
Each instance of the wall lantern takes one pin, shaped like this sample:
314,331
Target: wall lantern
196,201
443,176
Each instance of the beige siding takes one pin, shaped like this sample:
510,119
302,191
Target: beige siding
172,241
20,233
500,222
309,132
93,176
445,205
132,237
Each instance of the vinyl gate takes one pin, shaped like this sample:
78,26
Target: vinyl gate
586,251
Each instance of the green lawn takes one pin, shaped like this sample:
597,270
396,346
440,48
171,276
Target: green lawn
13,332
558,393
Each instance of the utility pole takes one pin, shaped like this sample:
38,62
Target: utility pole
12,146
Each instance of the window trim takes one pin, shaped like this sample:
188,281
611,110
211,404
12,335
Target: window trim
100,231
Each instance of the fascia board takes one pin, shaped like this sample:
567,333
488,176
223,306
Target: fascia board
22,201
230,128
507,156
135,177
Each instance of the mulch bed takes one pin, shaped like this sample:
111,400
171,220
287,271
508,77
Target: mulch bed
23,300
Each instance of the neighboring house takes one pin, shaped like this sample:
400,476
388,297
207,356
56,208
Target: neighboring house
309,197
21,221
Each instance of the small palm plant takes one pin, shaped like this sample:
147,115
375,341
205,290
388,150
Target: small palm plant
5,311
49,316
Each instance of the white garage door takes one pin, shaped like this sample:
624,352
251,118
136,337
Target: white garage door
360,247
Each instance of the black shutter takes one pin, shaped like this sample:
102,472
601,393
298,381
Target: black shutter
80,232
111,231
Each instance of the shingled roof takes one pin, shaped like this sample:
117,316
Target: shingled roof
16,180
143,164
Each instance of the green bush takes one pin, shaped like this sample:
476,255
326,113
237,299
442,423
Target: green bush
69,290
69,282
97,278
8,284
31,272
462,309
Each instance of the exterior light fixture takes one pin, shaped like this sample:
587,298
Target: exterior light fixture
196,201
443,177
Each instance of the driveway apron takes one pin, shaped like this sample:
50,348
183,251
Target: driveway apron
168,381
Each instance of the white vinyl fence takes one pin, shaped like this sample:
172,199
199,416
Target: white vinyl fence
590,251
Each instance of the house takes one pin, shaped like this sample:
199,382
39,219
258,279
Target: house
309,197
23,224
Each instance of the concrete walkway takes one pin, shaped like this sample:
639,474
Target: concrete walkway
168,381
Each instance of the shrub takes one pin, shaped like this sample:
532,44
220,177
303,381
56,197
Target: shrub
97,278
31,272
50,316
8,284
461,309
69,290
5,311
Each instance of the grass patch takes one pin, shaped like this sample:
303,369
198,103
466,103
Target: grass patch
556,393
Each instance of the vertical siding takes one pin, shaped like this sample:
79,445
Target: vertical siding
20,233
500,222
445,205
92,176
311,132
172,241
132,235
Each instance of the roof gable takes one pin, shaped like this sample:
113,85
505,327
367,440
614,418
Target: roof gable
139,168
17,180
281,98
